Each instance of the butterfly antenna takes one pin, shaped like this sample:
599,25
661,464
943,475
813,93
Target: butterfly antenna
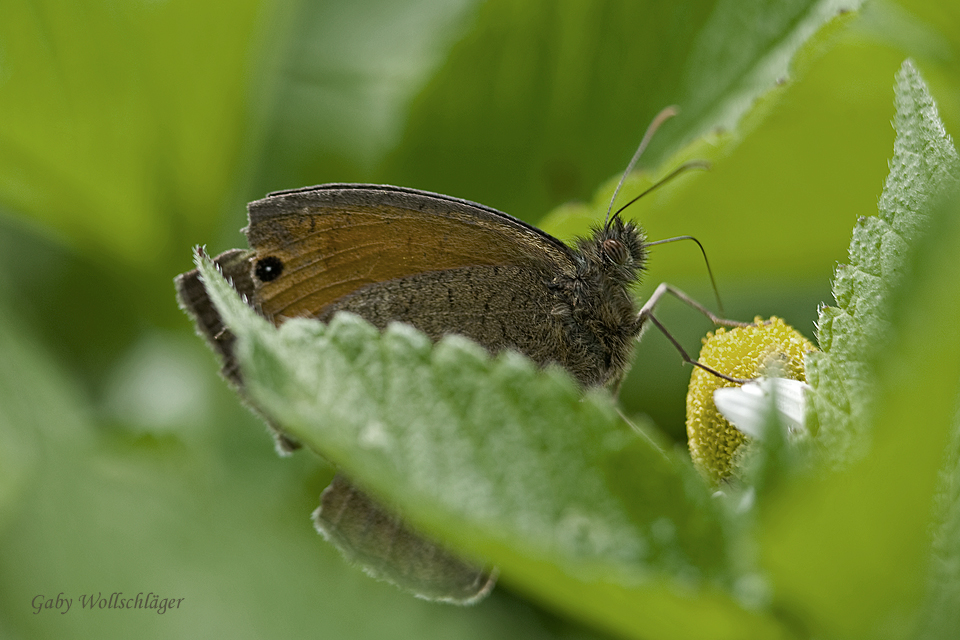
713,282
686,166
664,115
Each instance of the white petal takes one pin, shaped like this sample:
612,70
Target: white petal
745,407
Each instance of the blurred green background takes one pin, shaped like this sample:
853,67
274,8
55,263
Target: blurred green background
131,131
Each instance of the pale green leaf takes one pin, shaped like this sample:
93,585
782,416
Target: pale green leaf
849,549
852,333
506,462
939,616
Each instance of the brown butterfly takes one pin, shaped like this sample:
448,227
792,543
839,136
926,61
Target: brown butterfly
443,265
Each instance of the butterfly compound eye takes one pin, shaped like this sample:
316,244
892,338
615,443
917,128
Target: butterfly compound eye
268,268
615,251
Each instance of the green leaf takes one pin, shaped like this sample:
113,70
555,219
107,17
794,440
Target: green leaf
848,549
939,616
338,104
540,101
32,390
852,333
122,123
506,462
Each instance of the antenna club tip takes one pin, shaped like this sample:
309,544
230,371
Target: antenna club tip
665,114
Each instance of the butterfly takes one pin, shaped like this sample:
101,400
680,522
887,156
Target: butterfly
445,266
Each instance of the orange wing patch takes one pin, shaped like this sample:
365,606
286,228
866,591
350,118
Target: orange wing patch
329,251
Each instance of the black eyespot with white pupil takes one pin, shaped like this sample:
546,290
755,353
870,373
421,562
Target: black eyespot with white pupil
615,251
268,268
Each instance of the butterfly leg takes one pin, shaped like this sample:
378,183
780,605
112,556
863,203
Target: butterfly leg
646,313
664,288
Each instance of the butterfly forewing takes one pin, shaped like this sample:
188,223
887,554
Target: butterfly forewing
335,240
